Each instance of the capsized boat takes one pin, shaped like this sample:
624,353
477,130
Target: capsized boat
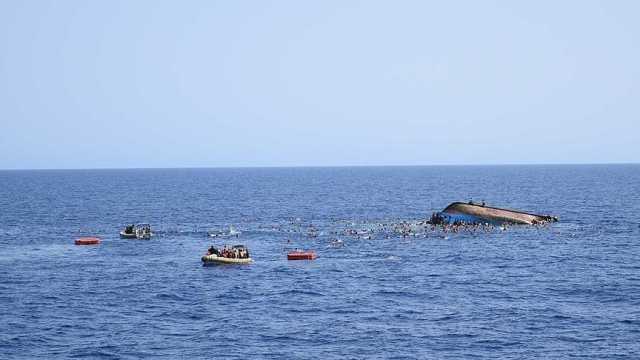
237,254
139,231
471,213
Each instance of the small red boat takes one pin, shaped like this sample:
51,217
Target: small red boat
301,255
87,241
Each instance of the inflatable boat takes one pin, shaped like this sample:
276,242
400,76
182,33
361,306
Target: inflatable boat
139,231
126,235
214,259
87,241
237,254
301,255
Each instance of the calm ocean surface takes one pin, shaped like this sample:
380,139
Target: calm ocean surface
568,290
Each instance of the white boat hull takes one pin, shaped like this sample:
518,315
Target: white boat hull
125,235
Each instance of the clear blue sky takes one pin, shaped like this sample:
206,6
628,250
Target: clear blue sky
93,84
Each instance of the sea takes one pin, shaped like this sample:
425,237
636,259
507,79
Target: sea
566,290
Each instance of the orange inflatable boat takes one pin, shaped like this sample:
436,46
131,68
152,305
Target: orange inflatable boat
87,241
301,255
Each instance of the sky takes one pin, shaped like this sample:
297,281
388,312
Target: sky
120,84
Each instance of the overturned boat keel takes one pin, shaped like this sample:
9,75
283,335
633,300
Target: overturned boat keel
470,213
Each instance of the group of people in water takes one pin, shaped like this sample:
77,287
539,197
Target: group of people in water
438,225
384,230
229,252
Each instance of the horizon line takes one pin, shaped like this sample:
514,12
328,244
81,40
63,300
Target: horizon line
317,166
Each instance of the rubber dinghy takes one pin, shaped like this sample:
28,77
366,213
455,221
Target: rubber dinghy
476,213
215,259
301,255
237,254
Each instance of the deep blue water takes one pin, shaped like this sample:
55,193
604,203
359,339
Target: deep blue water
564,291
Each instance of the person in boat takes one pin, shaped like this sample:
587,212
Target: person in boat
213,251
483,203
